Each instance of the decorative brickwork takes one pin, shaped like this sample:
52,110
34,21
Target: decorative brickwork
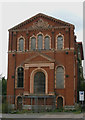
32,80
17,76
44,58
18,43
57,37
36,36
55,74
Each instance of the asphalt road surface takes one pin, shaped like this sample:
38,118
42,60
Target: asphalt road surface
44,116
42,119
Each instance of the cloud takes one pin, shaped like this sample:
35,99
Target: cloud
14,13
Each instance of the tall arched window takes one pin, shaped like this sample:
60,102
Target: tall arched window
33,43
59,42
40,41
60,77
21,44
20,77
39,83
47,41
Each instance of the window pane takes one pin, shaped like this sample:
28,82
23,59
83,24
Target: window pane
21,44
60,77
40,41
33,43
59,42
47,39
39,83
20,75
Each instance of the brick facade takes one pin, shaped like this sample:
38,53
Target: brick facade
45,61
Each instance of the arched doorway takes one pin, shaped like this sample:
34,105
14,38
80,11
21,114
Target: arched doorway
19,102
39,83
59,102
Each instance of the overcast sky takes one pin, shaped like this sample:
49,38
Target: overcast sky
15,13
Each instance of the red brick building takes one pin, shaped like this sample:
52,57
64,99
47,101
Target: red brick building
42,62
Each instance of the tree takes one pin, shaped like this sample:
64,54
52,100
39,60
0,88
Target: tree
4,86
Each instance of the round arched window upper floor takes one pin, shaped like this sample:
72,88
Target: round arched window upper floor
33,43
20,77
40,41
21,44
60,42
47,43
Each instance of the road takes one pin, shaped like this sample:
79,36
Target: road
44,116
42,119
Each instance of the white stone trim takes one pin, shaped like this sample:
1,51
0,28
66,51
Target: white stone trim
18,43
30,41
66,48
16,77
16,99
56,40
72,48
49,41
50,65
36,37
55,75
32,80
62,98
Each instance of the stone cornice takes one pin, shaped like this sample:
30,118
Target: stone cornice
40,15
38,29
39,65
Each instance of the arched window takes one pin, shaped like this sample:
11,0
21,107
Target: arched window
59,42
21,44
39,83
47,41
60,77
33,43
20,77
40,41
19,102
59,102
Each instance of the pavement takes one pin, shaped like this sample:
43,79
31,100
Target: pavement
59,115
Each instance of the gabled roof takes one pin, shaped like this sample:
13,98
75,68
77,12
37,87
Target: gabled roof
46,57
42,16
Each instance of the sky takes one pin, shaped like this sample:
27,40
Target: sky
13,13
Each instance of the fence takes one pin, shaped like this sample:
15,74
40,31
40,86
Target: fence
31,103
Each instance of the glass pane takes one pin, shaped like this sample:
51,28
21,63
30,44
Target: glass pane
39,83
47,39
40,41
60,77
21,44
33,43
20,77
59,42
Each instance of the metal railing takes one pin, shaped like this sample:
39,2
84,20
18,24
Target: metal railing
30,103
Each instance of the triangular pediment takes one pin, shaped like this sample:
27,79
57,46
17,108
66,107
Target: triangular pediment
40,21
39,58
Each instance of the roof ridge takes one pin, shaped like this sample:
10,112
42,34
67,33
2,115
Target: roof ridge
40,15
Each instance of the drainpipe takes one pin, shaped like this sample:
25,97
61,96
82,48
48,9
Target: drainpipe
54,54
54,64
74,72
74,79
14,55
